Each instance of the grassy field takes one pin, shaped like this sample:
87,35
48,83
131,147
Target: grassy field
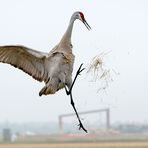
80,145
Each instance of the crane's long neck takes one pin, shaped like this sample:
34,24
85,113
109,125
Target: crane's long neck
66,39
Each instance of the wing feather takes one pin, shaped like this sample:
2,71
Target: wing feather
26,59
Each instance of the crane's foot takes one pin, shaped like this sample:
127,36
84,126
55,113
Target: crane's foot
82,127
79,70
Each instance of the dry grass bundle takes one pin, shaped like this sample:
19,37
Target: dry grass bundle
99,72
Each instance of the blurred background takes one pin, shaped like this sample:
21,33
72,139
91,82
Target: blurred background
113,106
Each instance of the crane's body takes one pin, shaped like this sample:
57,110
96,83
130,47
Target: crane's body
54,68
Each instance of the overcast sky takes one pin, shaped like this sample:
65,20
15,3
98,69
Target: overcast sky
120,27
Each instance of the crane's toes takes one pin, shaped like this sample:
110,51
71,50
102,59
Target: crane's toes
80,70
82,127
80,67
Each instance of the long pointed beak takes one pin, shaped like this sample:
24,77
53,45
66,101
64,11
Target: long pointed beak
86,24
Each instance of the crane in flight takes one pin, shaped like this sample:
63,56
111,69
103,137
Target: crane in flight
54,68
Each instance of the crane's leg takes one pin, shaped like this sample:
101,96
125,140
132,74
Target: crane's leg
71,98
68,92
73,105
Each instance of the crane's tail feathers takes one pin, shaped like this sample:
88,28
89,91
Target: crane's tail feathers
42,91
47,90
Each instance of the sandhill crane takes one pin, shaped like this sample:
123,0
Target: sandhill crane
54,68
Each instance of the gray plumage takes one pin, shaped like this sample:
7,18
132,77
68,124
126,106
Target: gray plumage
54,68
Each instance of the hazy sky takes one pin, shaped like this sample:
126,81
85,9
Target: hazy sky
120,27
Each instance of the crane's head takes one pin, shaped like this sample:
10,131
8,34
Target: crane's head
79,15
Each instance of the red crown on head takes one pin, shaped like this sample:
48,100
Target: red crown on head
82,15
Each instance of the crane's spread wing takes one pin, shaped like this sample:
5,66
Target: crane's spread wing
26,59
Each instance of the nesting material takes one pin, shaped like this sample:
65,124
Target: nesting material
99,72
